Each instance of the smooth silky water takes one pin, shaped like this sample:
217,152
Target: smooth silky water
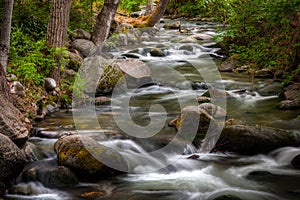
260,177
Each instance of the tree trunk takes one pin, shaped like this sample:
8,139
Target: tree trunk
159,11
104,20
57,29
148,20
5,32
4,89
149,7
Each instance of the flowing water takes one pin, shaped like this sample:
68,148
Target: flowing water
179,79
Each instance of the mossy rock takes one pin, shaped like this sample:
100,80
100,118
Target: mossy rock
241,139
85,157
250,140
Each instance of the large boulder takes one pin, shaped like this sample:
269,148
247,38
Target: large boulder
84,156
291,95
85,47
103,74
49,174
80,34
251,140
11,123
242,139
12,159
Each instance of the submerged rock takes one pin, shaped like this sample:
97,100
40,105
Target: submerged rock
202,36
157,52
85,157
175,25
296,162
49,174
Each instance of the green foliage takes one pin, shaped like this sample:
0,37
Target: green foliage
128,6
30,60
213,9
31,16
260,32
83,13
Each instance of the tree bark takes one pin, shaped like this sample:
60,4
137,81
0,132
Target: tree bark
57,30
148,20
4,89
58,23
5,32
103,21
158,13
149,7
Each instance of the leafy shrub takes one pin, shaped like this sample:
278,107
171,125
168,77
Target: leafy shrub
260,32
30,60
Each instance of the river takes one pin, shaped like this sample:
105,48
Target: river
179,79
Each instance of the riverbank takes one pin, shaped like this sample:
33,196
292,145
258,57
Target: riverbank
175,52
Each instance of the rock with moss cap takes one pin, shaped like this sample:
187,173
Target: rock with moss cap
87,158
237,138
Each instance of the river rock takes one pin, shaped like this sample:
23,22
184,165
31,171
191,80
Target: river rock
137,14
202,36
188,40
252,140
187,47
216,93
296,162
11,123
291,95
85,47
102,100
155,52
228,65
213,110
264,73
122,39
17,88
134,68
82,155
2,190
12,159
203,99
103,74
123,27
241,139
75,60
175,25
271,87
80,34
227,197
29,149
49,174
49,84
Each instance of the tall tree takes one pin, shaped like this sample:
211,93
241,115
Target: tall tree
104,20
148,20
149,7
5,32
159,11
57,29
